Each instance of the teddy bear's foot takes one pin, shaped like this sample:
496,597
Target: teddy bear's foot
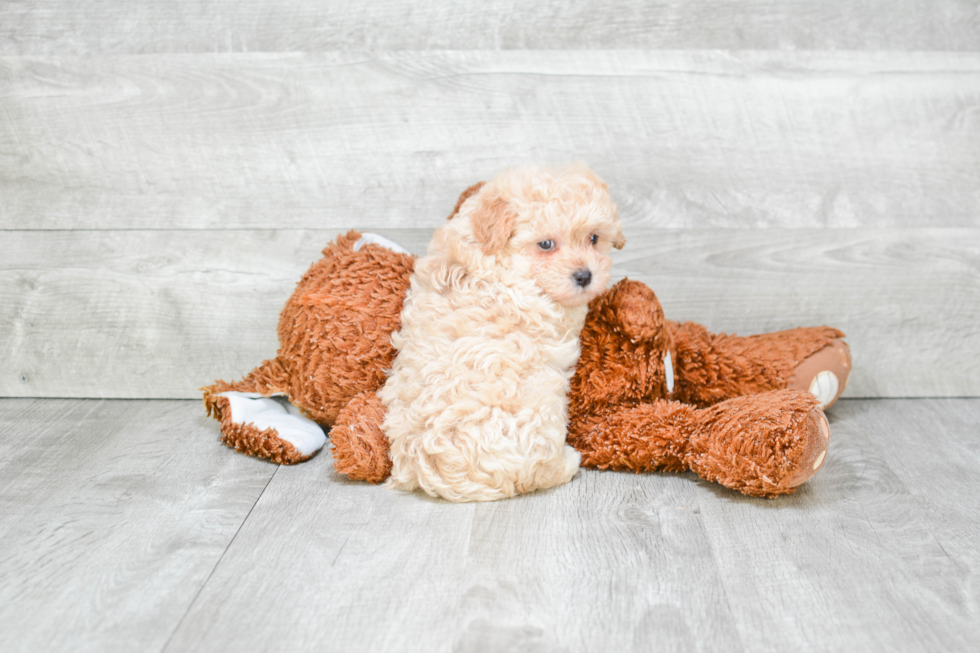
262,427
817,435
359,446
824,373
762,445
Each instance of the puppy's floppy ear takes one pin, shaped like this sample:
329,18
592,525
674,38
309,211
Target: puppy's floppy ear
619,240
465,195
493,222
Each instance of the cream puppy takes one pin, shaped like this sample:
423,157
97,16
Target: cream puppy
476,401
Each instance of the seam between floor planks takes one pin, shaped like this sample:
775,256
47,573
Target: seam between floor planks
190,606
112,514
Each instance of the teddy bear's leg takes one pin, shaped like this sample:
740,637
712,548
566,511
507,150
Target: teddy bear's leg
256,425
824,373
262,427
710,368
359,446
648,437
761,445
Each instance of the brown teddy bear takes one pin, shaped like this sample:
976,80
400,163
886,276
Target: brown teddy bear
647,394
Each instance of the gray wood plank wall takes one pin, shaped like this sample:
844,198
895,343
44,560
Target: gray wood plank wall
159,313
168,171
685,139
65,27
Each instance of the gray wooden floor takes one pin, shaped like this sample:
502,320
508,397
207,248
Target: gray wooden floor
127,526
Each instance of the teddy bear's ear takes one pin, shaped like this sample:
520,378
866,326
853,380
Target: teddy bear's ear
493,222
633,310
466,194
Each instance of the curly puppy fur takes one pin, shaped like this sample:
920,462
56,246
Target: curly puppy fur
476,403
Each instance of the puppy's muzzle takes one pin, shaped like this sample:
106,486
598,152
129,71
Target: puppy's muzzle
582,277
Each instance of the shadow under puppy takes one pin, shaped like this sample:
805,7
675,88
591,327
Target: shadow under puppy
476,405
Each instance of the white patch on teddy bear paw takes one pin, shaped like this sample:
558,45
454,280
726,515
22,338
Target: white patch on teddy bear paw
375,239
819,460
669,372
824,387
267,413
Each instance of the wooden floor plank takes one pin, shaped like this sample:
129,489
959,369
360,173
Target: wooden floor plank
113,515
608,549
331,565
878,553
862,558
340,566
684,139
156,314
289,25
935,468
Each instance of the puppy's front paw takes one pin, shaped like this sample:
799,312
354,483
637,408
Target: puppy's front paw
572,459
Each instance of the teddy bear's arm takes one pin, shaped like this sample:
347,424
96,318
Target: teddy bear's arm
263,427
359,447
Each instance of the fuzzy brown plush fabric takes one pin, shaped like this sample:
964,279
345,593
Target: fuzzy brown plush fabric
360,448
334,332
250,440
621,415
761,445
732,415
714,367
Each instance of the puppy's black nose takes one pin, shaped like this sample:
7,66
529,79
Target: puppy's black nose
582,277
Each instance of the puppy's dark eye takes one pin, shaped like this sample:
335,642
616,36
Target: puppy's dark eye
594,239
546,245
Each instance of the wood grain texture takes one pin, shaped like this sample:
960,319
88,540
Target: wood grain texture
882,540
100,26
875,554
569,569
367,569
684,139
906,298
161,313
113,515
128,526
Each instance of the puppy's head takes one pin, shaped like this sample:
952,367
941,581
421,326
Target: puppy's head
555,227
